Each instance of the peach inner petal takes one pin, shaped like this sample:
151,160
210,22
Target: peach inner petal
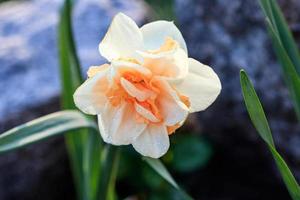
135,88
139,90
93,70
161,67
172,129
132,60
142,90
168,45
166,64
146,113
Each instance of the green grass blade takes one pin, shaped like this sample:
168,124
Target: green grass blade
47,126
286,37
109,172
291,77
287,175
70,68
267,9
260,122
162,9
84,149
159,167
70,80
279,24
92,164
255,109
285,49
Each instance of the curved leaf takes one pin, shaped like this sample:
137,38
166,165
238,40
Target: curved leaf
44,127
84,149
285,48
279,24
159,167
260,122
70,80
109,169
255,109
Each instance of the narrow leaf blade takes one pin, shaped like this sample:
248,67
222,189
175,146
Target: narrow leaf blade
258,118
285,35
291,77
84,149
285,48
267,9
255,109
159,167
42,128
70,80
161,170
287,176
109,172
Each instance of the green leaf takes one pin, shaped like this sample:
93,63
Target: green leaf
70,68
84,149
286,174
285,49
255,109
260,122
291,77
111,157
47,126
279,24
92,164
162,9
158,166
151,179
195,151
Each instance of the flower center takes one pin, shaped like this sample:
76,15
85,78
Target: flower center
140,91
141,87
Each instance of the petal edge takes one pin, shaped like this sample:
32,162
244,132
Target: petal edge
202,86
122,39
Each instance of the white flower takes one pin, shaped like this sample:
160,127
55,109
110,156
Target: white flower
149,87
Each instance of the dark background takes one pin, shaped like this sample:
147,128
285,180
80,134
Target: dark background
226,34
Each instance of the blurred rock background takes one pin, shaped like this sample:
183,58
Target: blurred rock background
225,34
30,87
230,35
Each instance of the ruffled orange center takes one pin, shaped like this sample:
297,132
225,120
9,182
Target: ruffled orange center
140,90
135,88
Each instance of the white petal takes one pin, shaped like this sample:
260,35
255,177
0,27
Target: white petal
122,39
118,125
126,66
90,97
140,94
153,142
145,113
121,65
201,86
93,70
155,33
171,66
172,109
163,54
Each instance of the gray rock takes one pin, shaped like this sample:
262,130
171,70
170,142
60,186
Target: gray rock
29,85
29,72
230,35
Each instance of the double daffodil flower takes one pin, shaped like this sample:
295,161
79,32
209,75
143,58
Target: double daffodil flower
148,88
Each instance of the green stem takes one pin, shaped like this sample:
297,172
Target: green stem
108,173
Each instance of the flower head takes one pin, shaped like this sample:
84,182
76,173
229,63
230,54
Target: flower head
149,86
